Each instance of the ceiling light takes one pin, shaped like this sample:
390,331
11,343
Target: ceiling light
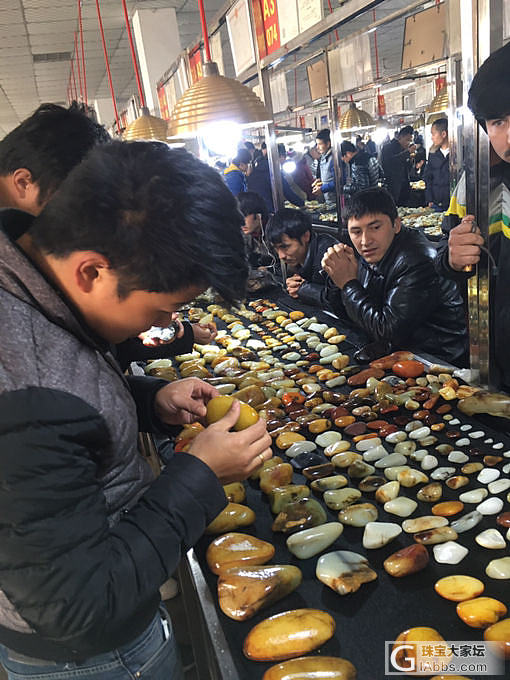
355,119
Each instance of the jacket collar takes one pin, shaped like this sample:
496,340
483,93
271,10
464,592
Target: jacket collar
306,268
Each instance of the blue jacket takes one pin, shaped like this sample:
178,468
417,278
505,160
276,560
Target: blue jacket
326,173
260,182
235,179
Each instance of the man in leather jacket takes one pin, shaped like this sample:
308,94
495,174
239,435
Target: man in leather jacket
290,234
392,291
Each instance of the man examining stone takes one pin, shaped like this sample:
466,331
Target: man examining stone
290,234
392,291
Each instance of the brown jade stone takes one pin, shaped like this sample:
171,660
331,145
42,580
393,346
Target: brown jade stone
388,429
445,408
334,397
232,517
410,382
362,437
312,668
388,361
236,549
388,409
492,460
361,377
355,429
318,471
243,591
447,508
430,403
401,420
288,634
430,493
457,482
235,492
435,536
420,415
301,514
338,412
371,483
504,519
407,561
500,633
343,421
288,427
319,425
311,403
377,424
270,463
307,419
471,468
280,475
453,434
481,612
408,369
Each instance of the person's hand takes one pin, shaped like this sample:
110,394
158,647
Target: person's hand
294,284
316,187
340,264
232,456
205,333
153,341
431,204
464,245
183,401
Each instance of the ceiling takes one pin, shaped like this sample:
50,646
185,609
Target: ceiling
36,37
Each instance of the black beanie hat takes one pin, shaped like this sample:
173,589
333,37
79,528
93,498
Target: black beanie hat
489,94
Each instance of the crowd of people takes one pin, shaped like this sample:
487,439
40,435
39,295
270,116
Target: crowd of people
102,239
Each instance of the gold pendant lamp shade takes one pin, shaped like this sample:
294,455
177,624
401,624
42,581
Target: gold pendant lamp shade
146,127
419,123
355,119
214,99
438,106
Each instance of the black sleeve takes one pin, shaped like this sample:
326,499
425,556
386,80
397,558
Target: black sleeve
407,301
312,294
65,571
133,349
144,389
443,267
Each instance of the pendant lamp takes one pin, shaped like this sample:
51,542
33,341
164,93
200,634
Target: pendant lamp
419,123
215,99
355,119
438,106
145,126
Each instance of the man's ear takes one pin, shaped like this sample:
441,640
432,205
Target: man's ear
397,224
91,269
306,237
22,183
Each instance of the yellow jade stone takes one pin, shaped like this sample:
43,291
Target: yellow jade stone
459,587
500,633
481,612
237,549
232,517
337,447
406,655
312,668
280,475
286,439
319,425
288,634
235,492
270,463
219,406
243,591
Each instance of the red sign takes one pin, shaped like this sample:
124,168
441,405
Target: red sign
195,64
271,25
381,105
259,28
163,104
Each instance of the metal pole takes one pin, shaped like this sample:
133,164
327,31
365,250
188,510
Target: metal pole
335,143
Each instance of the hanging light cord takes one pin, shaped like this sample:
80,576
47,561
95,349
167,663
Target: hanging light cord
133,55
204,30
73,81
78,63
82,56
107,64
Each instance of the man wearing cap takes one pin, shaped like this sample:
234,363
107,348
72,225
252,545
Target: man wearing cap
489,100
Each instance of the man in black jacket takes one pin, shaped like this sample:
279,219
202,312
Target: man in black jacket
364,170
437,170
396,162
87,536
393,292
290,234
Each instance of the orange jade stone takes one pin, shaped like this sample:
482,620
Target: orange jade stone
343,421
279,475
361,437
292,633
230,518
312,668
408,369
236,549
447,508
406,652
481,611
500,633
459,587
286,439
407,561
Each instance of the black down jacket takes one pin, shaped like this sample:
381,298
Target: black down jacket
87,535
403,303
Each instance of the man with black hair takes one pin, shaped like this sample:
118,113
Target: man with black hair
253,208
290,234
392,292
87,535
396,161
325,184
235,174
364,170
489,100
437,170
36,156
259,182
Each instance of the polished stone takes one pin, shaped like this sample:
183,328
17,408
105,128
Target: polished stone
491,539
279,475
376,453
392,460
369,443
309,542
269,463
308,459
401,506
500,633
358,515
337,447
503,519
312,668
387,492
318,471
288,634
457,481
447,508
231,518
237,549
410,478
379,534
481,612
471,468
499,569
429,462
300,514
467,522
300,447
338,499
371,483
344,571
488,475
490,506
499,486
326,439
435,536
392,473
243,591
430,493
345,459
450,552
442,473
360,469
407,561
474,496
280,496
329,483
235,492
404,650
424,523
459,587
